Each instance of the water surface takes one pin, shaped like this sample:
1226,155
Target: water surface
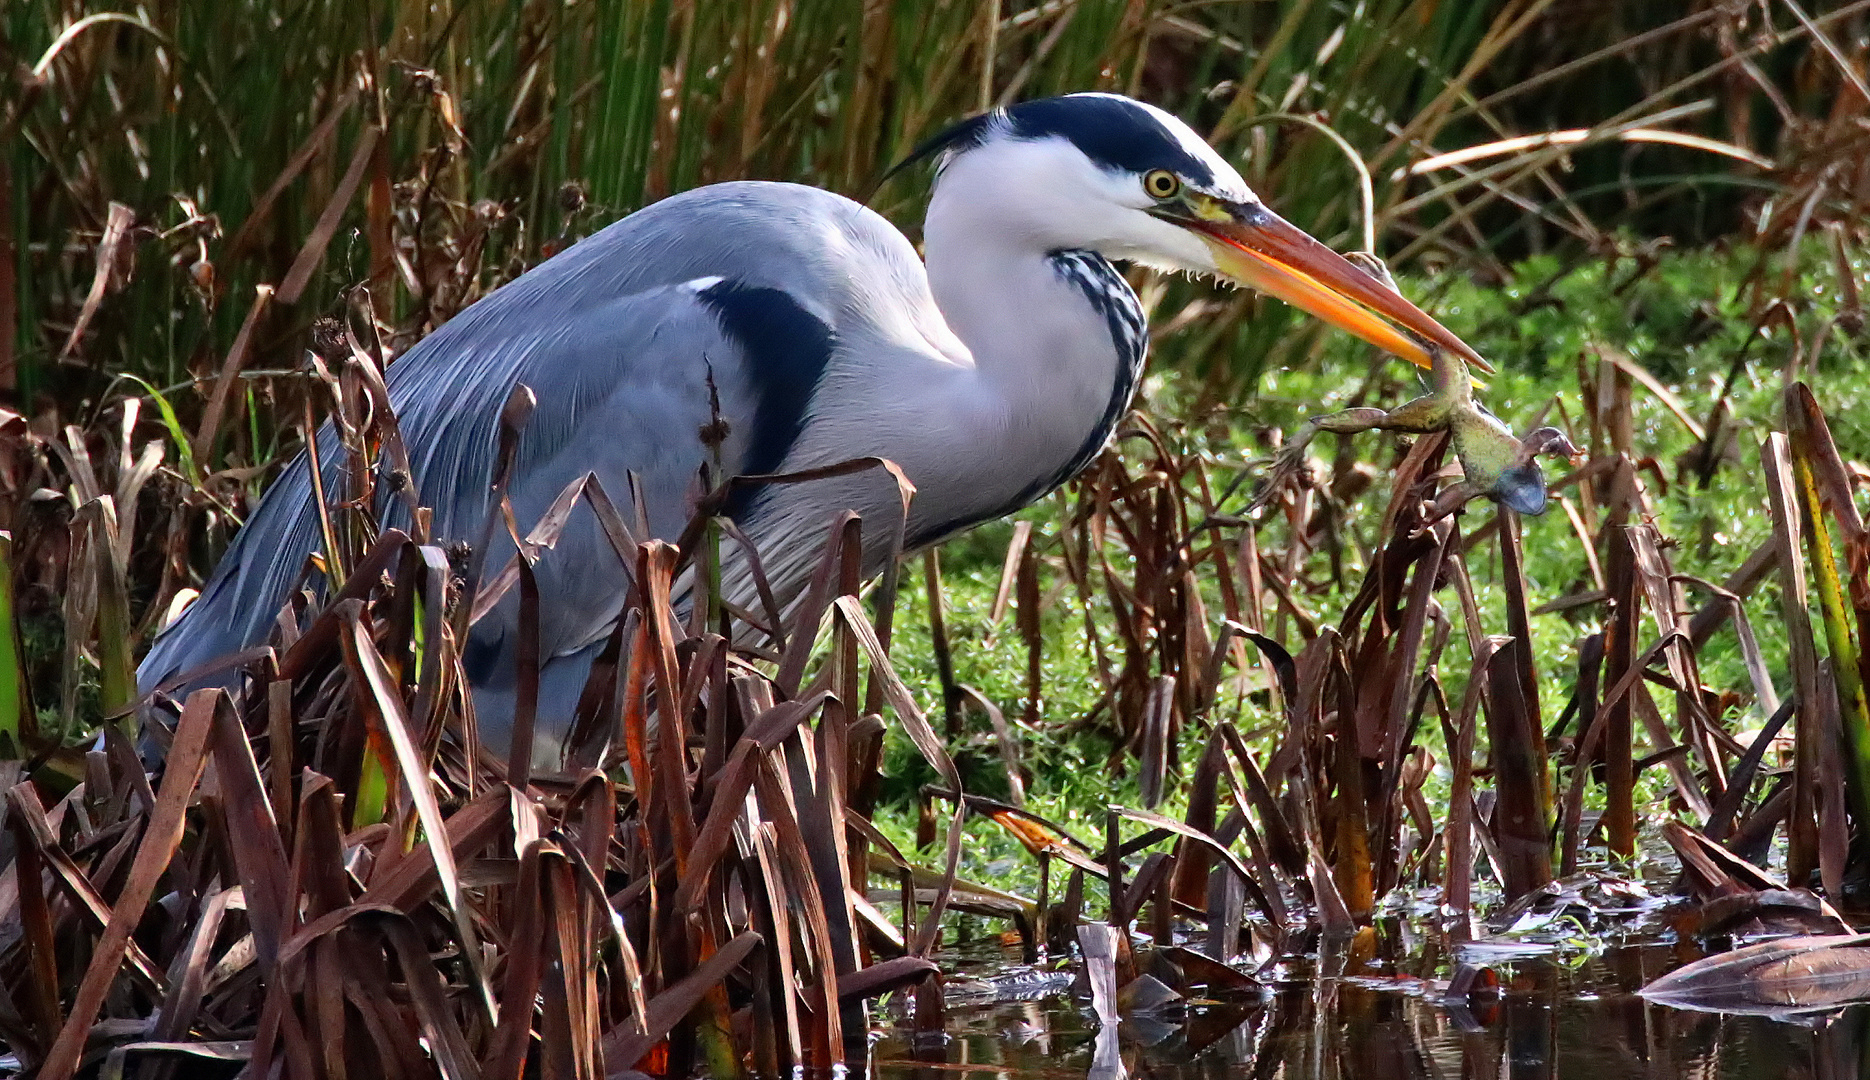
1553,1016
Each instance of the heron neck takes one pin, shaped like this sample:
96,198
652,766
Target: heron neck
1019,304
1057,338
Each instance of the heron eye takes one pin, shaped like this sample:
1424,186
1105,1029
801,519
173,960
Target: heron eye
1161,184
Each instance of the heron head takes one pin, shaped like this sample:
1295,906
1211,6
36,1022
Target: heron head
1130,181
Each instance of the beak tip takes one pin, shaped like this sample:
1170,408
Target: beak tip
1268,253
1475,360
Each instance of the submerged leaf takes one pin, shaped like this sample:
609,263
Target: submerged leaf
1778,978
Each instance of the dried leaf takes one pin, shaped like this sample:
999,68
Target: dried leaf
624,1048
1781,978
187,756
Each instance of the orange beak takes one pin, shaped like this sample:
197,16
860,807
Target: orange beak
1258,248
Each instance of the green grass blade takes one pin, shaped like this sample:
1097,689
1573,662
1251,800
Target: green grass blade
16,718
1853,708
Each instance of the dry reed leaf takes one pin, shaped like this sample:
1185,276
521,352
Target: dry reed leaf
1788,534
361,654
35,832
1457,832
917,727
116,229
1009,570
885,977
312,253
314,144
187,756
1212,845
253,834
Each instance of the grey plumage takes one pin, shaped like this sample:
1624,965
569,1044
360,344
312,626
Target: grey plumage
615,368
990,374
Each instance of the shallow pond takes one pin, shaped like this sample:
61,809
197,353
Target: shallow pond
1551,1017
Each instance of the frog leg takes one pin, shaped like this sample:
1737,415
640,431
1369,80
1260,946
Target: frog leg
1418,417
1452,498
1424,414
1348,422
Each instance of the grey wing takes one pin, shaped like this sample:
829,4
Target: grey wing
631,396
622,387
617,336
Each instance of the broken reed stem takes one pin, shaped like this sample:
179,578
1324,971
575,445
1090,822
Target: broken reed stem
938,642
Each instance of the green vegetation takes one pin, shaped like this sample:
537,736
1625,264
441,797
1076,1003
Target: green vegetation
1681,318
1651,217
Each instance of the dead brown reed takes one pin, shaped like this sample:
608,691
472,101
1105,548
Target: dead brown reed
329,872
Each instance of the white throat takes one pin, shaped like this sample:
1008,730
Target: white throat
1047,371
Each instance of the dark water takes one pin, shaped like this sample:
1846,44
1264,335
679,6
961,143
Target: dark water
1551,1017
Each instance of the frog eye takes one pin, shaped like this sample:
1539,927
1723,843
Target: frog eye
1161,184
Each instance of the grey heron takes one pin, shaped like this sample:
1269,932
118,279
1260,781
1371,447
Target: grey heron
990,370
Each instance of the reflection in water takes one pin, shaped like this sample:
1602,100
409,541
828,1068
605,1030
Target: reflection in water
1550,1020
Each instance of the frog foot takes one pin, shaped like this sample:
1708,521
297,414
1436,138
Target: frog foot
1290,470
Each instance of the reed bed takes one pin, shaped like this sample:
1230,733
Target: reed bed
326,873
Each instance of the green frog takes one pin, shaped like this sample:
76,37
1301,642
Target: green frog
1496,463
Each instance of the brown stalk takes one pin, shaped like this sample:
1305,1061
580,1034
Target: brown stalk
40,991
1521,823
728,789
259,852
1398,727
925,740
31,821
1009,570
1192,865
367,990
809,614
317,871
1687,788
312,253
1211,845
1740,782
1352,867
186,758
361,655
413,879
526,690
447,1042
1006,739
1153,740
229,377
655,570
314,145
188,972
669,1007
826,1038
1283,846
821,807
1620,663
1668,604
1457,832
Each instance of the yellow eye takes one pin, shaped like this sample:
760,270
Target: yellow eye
1161,184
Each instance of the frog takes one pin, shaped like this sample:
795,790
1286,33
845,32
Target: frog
1495,463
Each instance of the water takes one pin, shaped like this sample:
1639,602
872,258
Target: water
1553,1016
